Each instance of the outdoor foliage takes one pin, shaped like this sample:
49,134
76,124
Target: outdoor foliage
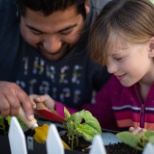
137,141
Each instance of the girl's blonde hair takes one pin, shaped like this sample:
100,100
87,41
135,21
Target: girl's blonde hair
130,20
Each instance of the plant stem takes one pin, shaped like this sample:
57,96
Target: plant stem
72,141
77,140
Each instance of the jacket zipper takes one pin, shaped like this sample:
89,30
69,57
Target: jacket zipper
142,116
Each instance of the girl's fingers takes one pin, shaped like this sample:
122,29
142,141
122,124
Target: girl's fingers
137,130
45,99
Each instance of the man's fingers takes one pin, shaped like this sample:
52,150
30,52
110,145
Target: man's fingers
12,97
14,104
4,106
26,103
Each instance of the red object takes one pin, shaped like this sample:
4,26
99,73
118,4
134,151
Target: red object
51,116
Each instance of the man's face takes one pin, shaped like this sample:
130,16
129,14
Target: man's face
54,35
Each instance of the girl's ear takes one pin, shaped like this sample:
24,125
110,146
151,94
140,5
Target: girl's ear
151,47
86,4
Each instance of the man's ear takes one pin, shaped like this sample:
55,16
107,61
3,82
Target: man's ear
86,4
151,47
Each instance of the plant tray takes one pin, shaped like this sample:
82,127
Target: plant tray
32,147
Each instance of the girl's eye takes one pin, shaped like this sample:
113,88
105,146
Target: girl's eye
118,59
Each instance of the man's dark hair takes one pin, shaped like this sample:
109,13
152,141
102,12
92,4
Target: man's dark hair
47,7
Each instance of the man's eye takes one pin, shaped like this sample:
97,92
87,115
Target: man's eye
36,33
66,32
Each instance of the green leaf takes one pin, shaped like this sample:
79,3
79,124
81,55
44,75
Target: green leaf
151,139
77,118
8,118
70,126
147,134
130,139
92,121
22,124
87,131
1,121
67,114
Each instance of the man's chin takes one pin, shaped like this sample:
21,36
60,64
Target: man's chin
52,57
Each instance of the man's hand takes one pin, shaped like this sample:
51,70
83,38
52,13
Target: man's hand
11,98
45,99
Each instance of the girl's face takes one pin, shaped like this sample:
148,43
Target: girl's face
131,63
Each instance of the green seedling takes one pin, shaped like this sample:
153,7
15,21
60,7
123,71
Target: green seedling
5,123
81,123
137,141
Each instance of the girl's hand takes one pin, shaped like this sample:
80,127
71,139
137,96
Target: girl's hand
137,130
45,99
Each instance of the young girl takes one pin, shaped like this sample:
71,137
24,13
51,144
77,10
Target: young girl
122,37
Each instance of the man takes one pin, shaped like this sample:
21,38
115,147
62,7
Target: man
44,51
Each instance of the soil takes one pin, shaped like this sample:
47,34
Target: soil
121,148
83,145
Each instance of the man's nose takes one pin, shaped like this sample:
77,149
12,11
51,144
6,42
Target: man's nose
52,44
112,67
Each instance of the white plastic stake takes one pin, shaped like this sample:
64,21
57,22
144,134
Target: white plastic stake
54,143
16,138
97,146
149,149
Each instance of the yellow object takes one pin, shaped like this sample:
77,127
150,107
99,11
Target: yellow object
41,133
65,145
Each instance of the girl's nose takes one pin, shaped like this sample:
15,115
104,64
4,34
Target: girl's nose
112,67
